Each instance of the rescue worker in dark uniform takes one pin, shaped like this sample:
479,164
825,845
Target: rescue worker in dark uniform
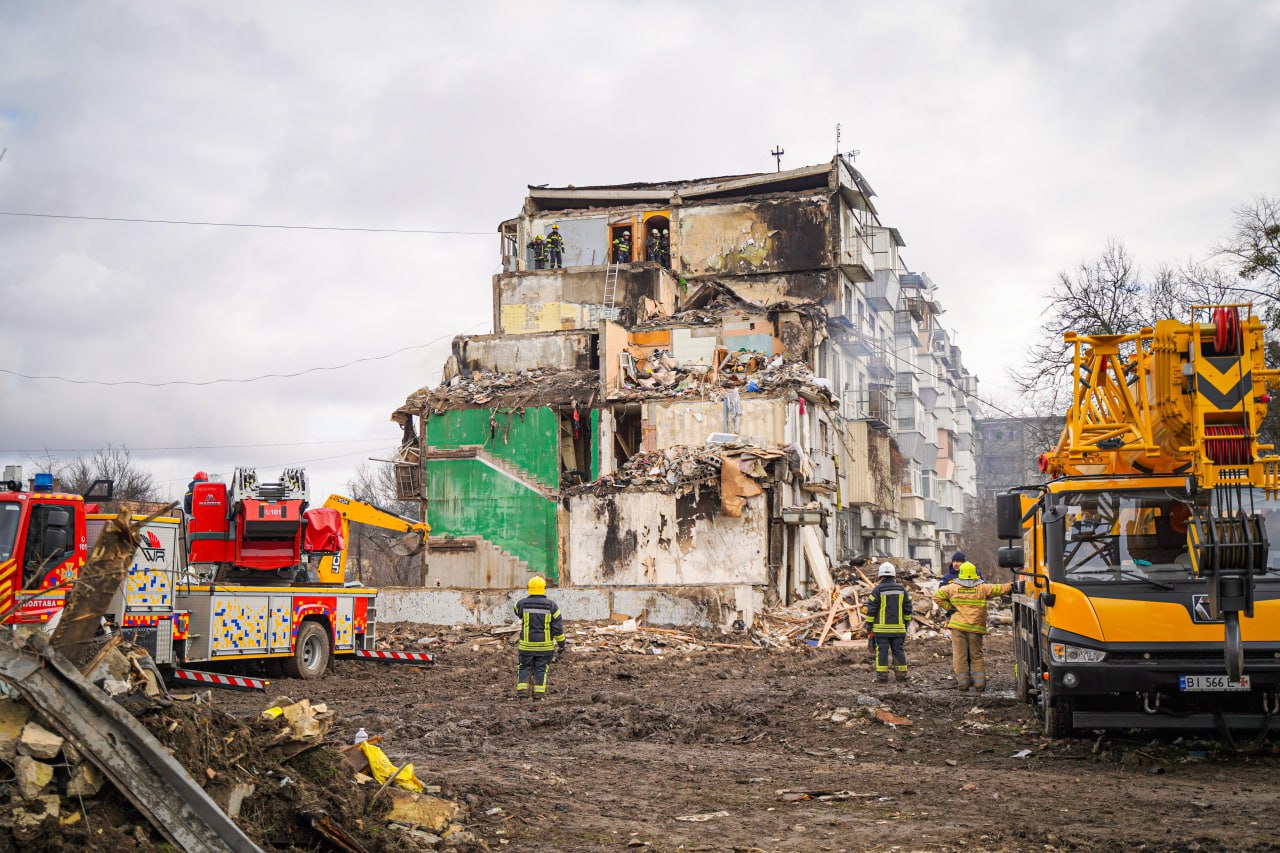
198,477
664,248
888,612
541,638
555,246
539,247
622,249
651,250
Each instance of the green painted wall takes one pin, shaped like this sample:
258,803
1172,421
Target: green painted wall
595,445
529,441
468,498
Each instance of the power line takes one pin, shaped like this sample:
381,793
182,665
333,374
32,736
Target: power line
272,465
194,446
245,224
238,381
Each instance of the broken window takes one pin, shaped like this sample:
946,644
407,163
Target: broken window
575,445
627,433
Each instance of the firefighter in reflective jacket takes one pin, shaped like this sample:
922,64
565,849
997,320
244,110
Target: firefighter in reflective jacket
888,612
966,598
541,637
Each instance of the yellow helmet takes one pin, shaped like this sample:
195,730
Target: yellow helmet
537,585
968,572
555,227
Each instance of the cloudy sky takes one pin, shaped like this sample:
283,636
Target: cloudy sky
1006,140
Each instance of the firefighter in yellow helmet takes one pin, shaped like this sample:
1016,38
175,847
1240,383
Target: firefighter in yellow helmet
966,597
541,638
555,248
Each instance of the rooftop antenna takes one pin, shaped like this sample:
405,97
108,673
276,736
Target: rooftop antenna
777,152
852,153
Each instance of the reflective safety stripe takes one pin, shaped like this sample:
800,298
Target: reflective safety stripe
889,617
978,601
965,626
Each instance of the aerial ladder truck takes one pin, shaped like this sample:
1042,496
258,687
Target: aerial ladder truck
252,573
1153,590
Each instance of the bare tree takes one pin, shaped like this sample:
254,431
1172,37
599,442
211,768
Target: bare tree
1254,243
1253,251
1109,295
369,547
132,483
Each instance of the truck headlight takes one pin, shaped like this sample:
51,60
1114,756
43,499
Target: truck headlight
1063,653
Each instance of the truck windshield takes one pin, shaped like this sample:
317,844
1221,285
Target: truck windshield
1135,536
10,513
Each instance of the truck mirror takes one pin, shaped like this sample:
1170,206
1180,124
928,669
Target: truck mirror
100,490
1009,515
1010,557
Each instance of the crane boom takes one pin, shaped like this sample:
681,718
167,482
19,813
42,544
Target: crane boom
355,511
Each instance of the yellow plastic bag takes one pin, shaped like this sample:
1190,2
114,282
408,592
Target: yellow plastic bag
382,768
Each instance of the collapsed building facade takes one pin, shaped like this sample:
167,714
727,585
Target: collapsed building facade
771,396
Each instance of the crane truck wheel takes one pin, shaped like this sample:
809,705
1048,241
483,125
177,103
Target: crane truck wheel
1057,717
310,653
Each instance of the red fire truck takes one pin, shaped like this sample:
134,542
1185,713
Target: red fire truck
251,573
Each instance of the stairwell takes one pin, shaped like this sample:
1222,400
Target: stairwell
497,463
473,561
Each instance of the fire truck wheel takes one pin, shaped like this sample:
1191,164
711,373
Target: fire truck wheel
310,654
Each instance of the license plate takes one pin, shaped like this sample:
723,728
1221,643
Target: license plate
1212,682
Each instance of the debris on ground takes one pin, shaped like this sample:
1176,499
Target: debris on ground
836,618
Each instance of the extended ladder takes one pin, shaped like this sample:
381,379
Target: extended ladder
610,310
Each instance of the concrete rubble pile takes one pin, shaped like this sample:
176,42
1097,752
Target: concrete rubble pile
515,390
835,618
736,372
684,466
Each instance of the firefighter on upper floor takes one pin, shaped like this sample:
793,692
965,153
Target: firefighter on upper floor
539,247
651,250
541,638
888,612
622,248
664,248
966,599
555,247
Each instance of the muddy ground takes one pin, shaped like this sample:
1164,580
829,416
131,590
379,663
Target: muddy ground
627,744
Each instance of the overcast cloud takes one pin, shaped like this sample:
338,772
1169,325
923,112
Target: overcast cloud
1006,140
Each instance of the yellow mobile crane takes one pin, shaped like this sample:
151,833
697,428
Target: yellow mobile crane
1153,592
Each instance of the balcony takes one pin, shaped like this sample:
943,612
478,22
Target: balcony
928,392
904,326
875,406
824,472
882,526
882,364
856,258
912,508
914,305
907,385
883,290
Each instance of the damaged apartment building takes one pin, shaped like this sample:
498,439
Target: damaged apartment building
772,396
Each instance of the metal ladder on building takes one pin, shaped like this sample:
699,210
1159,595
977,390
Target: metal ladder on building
610,309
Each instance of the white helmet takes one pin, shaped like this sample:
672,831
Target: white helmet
887,570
